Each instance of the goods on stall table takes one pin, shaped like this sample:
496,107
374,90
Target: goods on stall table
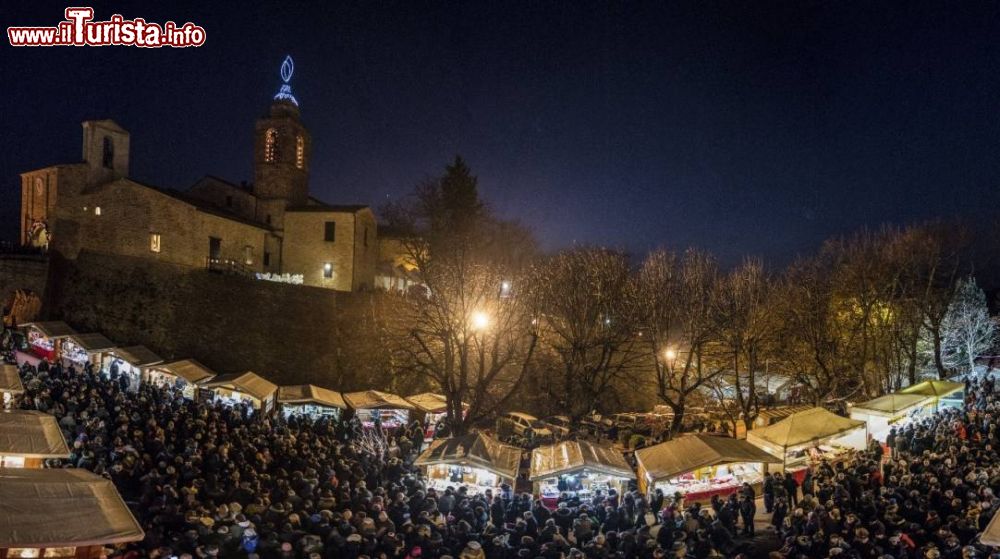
388,418
74,352
577,486
815,454
476,480
713,479
41,345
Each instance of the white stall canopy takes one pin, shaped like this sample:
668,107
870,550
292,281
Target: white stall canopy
429,402
10,379
62,508
246,383
190,370
373,399
53,330
475,450
991,535
92,342
692,452
893,405
806,428
310,394
935,388
31,434
570,457
138,356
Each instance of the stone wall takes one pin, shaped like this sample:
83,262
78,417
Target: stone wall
287,333
22,272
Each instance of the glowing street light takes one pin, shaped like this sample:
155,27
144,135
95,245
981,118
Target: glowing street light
480,320
670,354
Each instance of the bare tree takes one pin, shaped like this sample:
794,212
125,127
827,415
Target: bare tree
586,309
675,313
936,249
742,329
814,342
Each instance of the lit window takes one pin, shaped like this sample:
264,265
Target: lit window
154,242
59,552
23,552
97,210
248,255
327,270
300,152
270,145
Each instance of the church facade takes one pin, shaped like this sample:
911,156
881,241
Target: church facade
269,228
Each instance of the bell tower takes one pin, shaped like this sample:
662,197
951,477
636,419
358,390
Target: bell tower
282,147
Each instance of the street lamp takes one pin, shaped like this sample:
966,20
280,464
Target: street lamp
480,320
670,354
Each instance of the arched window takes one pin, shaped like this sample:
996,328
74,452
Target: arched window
270,145
300,151
108,156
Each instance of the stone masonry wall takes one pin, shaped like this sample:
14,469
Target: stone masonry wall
287,333
22,272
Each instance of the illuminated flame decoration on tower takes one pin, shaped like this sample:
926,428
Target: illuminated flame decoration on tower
285,93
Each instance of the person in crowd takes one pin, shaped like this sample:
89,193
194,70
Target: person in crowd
768,490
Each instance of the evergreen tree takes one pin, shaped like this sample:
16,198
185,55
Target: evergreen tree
460,197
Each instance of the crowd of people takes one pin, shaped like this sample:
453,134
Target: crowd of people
211,480
928,496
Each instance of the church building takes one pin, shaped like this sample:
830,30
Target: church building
270,228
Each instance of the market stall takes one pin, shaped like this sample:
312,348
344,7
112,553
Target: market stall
45,339
80,349
10,385
311,401
577,469
183,374
130,362
810,436
29,437
946,393
991,535
699,466
249,388
61,514
433,408
767,416
884,412
371,406
476,461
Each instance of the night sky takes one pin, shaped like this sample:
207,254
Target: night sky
740,127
